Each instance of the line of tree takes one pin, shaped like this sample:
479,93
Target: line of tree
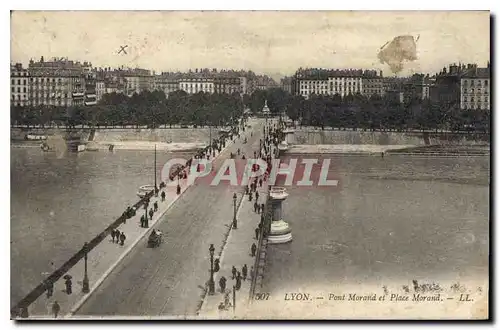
147,108
374,113
179,108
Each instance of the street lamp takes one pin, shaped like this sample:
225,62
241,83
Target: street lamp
86,288
234,298
235,221
211,284
178,183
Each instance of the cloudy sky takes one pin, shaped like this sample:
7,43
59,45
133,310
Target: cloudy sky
265,42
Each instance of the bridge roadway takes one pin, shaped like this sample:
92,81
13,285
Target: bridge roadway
169,280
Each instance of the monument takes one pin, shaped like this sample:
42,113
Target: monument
265,109
280,230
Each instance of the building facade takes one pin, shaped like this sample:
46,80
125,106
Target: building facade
307,82
58,82
19,85
138,80
475,88
227,85
90,89
286,84
417,87
196,85
372,84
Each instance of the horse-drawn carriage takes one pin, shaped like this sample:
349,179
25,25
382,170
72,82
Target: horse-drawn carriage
155,239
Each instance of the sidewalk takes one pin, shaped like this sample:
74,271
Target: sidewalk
104,258
237,252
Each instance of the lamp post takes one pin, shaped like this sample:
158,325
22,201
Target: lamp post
86,288
156,187
234,298
235,221
178,183
211,284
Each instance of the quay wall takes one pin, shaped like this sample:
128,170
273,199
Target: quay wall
309,136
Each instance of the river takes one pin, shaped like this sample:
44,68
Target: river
60,201
389,221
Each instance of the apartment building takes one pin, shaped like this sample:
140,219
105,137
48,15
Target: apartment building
58,82
475,88
196,85
19,85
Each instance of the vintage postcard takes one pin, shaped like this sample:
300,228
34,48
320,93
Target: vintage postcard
250,165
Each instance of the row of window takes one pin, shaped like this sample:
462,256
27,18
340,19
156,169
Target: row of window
475,106
477,81
47,95
54,88
53,102
13,89
480,99
19,97
195,85
47,80
472,90
13,82
20,74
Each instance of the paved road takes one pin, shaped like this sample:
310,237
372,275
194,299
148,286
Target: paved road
168,281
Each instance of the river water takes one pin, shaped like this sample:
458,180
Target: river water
60,201
389,221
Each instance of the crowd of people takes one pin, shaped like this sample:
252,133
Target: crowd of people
272,136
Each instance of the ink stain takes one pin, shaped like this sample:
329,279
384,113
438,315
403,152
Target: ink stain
398,51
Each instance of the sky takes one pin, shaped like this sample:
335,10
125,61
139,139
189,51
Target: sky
273,42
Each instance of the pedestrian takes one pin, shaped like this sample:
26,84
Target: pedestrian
262,208
260,182
156,206
254,249
258,208
256,194
162,196
50,288
246,190
257,233
113,233
142,221
250,196
238,281
122,238
221,307
255,206
244,272
69,286
222,284
251,273
56,308
233,270
117,235
151,212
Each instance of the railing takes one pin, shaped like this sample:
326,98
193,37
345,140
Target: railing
265,229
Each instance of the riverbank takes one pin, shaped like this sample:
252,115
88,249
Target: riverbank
444,150
145,145
126,145
359,149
